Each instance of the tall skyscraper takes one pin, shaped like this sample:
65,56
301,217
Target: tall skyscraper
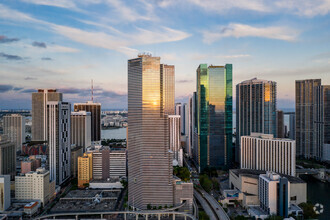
168,79
190,127
39,113
312,118
174,129
280,124
150,171
14,128
95,110
292,126
101,165
7,156
326,118
81,129
214,116
255,109
58,136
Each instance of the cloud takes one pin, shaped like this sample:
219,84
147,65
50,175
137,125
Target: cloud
184,81
28,91
118,41
30,78
308,8
46,58
4,39
67,4
39,44
5,88
10,57
221,6
242,30
236,56
9,14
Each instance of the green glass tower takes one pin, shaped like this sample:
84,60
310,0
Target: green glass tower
214,116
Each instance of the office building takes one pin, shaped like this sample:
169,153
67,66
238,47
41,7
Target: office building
39,113
101,162
30,164
214,116
75,153
326,118
85,169
168,80
5,198
255,109
312,118
292,126
14,128
150,171
81,129
7,156
118,163
35,186
263,152
58,136
95,110
174,128
274,194
190,127
246,182
280,133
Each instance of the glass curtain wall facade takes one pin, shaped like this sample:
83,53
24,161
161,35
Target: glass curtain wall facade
150,171
214,116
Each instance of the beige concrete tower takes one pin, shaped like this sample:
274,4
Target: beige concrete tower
14,128
149,159
39,113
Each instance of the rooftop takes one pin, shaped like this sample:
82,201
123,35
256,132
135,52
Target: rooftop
256,173
256,81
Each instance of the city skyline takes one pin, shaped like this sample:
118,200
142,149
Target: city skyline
44,43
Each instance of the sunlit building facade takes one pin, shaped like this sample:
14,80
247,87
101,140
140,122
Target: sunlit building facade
214,116
255,109
150,171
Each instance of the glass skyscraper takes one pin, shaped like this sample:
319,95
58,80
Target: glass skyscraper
214,116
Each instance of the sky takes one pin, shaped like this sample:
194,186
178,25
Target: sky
64,44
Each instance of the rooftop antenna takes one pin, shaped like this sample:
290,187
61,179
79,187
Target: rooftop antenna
92,91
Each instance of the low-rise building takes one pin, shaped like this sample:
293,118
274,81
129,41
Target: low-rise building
117,162
85,169
183,192
30,164
31,208
4,192
35,186
246,182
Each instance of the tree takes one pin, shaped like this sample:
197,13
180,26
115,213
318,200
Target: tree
308,210
148,206
203,216
206,183
182,172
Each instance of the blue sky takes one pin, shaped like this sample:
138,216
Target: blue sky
64,44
